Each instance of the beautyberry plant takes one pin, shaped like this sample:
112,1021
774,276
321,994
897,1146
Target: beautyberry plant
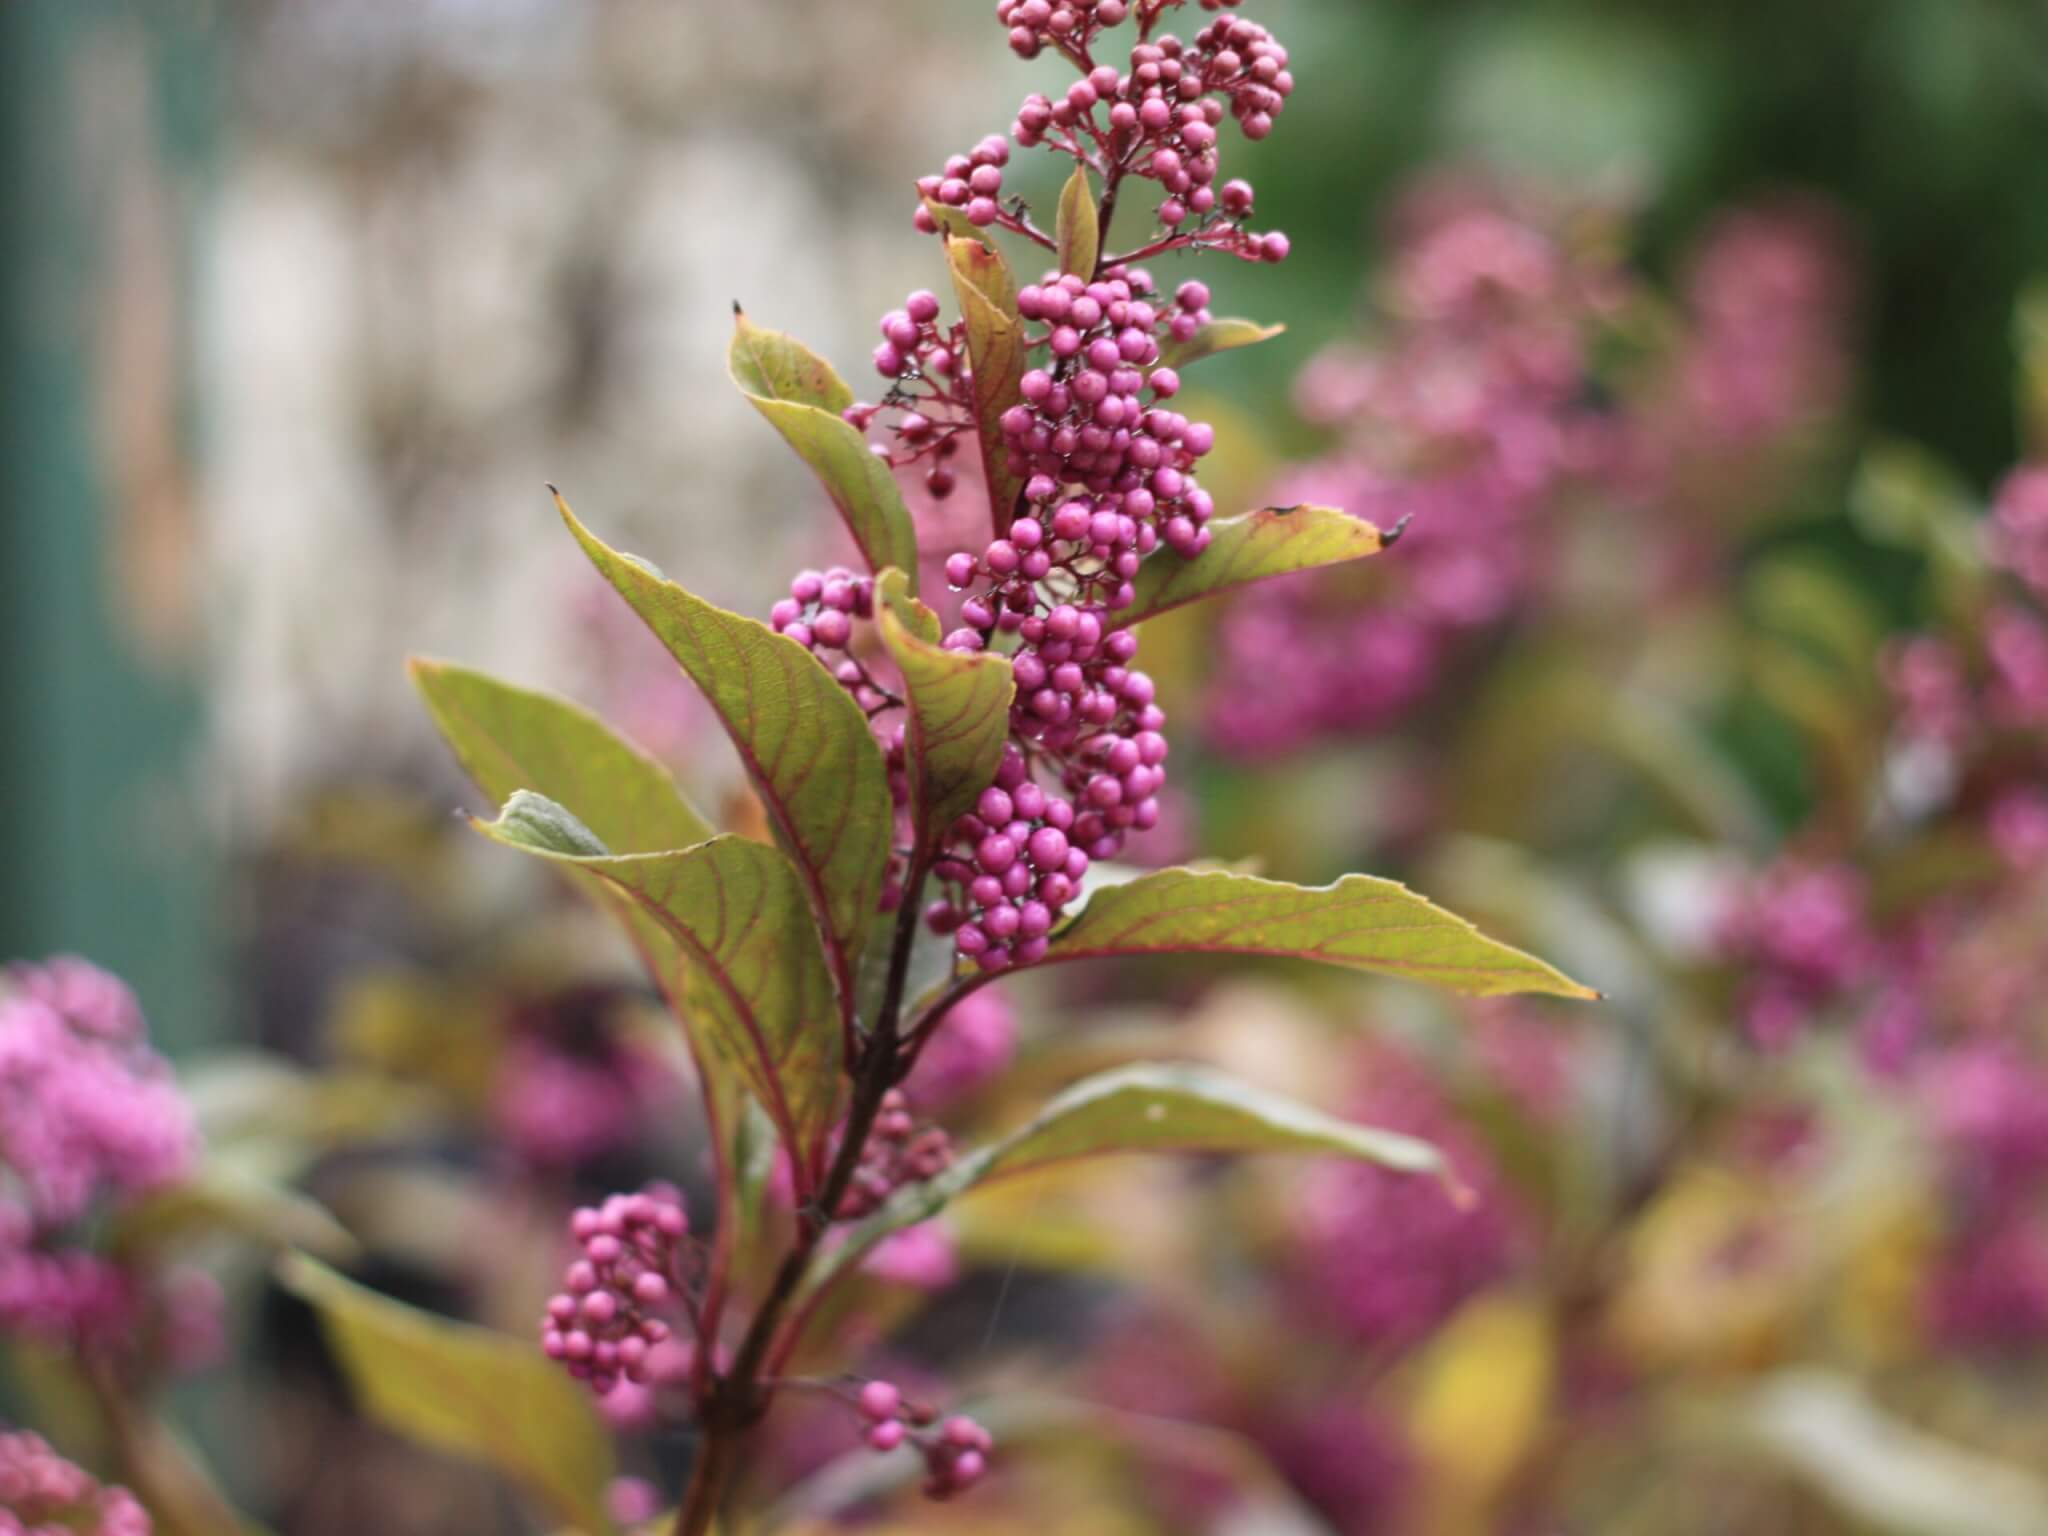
945,795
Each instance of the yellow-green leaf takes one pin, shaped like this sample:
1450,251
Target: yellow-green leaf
1216,336
223,1198
801,397
803,741
509,738
1153,1107
467,1391
1080,233
736,909
1359,922
958,712
996,351
1256,546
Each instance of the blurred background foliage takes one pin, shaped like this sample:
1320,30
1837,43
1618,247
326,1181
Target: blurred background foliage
306,300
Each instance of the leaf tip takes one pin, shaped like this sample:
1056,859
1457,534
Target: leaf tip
1393,535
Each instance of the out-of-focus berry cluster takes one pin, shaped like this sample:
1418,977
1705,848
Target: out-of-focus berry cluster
1506,388
42,1494
616,1299
898,1151
955,1451
90,1121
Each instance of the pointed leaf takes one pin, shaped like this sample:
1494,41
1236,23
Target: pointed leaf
951,221
1080,233
996,351
1153,1107
467,1391
509,738
803,741
958,714
762,997
1359,922
1216,336
1256,546
801,397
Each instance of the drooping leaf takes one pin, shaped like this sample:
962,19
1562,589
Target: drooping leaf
995,348
801,397
1152,1107
736,909
958,713
1216,336
542,825
224,1198
467,1391
510,738
1080,232
1255,546
1359,922
803,741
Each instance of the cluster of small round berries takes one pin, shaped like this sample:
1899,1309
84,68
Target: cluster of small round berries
601,1324
955,1452
971,182
899,1151
1071,25
928,389
819,612
42,1494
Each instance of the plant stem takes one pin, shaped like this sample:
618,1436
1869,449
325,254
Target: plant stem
739,1400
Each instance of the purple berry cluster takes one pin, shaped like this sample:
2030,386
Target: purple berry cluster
1158,120
90,1120
899,1151
42,1494
955,1452
1106,466
602,1324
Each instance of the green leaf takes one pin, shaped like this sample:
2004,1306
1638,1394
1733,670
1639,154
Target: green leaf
539,825
951,221
223,1198
1152,1107
801,397
996,352
803,741
509,738
1080,234
467,1391
760,992
1216,336
958,713
1256,546
933,964
1360,922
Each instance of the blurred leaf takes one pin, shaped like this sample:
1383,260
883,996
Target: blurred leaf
996,351
2030,336
1905,496
802,739
1080,234
958,713
223,1198
1151,1107
736,909
801,397
1480,1407
467,1391
1887,1475
1216,336
1256,546
1359,922
509,738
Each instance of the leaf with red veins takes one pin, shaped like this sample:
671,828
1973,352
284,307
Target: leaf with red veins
997,352
1257,546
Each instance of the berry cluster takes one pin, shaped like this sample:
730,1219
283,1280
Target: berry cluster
42,1494
955,1452
929,390
899,1151
1157,121
601,1325
90,1119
